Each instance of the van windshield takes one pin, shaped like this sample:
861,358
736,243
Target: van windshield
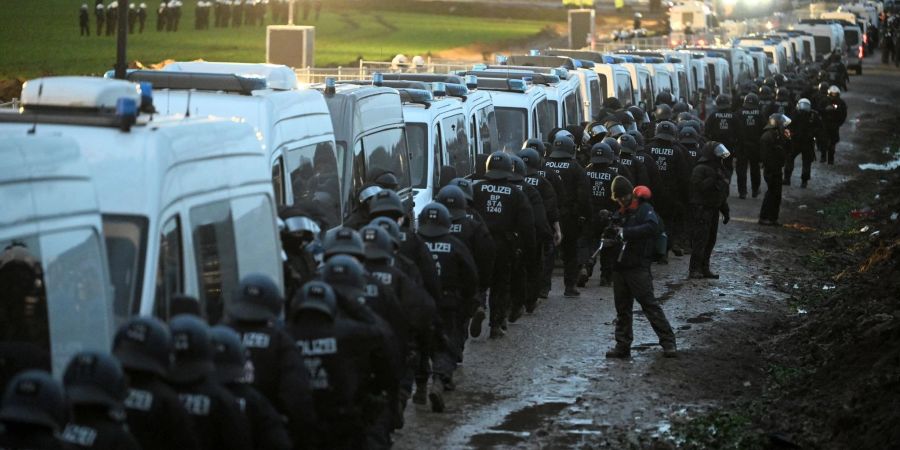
573,108
54,299
546,120
512,126
553,108
126,244
597,95
852,37
313,177
417,139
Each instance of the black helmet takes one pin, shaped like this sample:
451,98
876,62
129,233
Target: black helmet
639,114
315,296
257,299
765,93
695,124
681,107
519,169
751,100
782,95
688,135
434,220
387,180
597,131
386,203
532,159
602,154
683,116
481,161
823,87
94,378
615,129
558,133
664,98
298,225
723,102
613,143
638,137
36,398
628,144
389,225
192,349
466,186
779,120
453,198
666,131
229,354
499,166
770,82
563,147
621,187
379,244
346,276
662,112
535,144
780,79
144,344
343,240
624,117
368,191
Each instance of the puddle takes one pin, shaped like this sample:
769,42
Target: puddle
702,318
530,417
490,440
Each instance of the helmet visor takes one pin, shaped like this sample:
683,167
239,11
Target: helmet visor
598,130
722,152
301,223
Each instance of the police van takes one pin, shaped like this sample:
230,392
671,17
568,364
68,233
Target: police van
589,80
614,80
521,107
186,204
643,81
57,298
295,124
828,36
563,92
370,136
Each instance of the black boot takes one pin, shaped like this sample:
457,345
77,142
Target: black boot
618,352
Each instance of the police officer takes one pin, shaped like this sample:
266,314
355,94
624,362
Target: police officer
806,129
629,161
95,387
235,372
298,239
575,212
766,101
671,194
362,214
253,312
507,214
689,139
601,174
215,413
84,20
459,280
550,185
641,117
112,17
345,360
100,16
709,198
526,266
834,114
132,17
774,145
638,231
161,15
32,412
783,103
142,16
750,127
722,126
156,417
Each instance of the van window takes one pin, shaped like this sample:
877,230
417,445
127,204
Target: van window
572,110
553,107
52,302
512,127
457,144
851,37
385,151
278,180
417,139
823,44
546,121
807,50
126,244
256,243
214,252
437,154
313,172
683,84
169,269
597,95
711,75
487,130
473,136
623,89
647,90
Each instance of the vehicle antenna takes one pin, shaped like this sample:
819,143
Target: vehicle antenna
34,125
187,112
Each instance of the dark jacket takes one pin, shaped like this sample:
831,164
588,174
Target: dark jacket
95,427
266,425
640,230
156,417
576,187
773,149
806,127
709,182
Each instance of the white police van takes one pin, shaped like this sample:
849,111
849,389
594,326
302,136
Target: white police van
563,91
370,136
643,81
614,79
57,298
186,203
295,124
522,108
589,80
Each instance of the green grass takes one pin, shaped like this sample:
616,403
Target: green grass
40,37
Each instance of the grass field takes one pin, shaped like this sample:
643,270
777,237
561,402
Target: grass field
40,37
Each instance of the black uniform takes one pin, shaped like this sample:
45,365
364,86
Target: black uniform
413,247
806,129
751,122
507,214
574,211
267,428
95,427
723,126
670,197
834,114
100,16
545,248
215,415
601,176
142,17
773,150
156,416
637,168
528,266
20,436
548,249
709,197
84,21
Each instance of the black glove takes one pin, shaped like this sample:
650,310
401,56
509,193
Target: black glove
726,217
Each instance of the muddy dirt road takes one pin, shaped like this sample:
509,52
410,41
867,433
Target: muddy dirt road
547,383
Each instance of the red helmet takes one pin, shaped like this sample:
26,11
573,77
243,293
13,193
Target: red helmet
642,192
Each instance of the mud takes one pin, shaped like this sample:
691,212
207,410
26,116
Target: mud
548,385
